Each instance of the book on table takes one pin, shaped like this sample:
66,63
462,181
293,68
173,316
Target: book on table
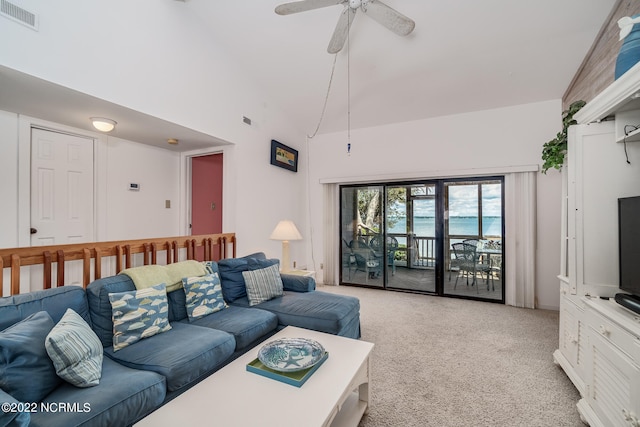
296,378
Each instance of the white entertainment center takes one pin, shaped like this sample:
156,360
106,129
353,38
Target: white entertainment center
599,344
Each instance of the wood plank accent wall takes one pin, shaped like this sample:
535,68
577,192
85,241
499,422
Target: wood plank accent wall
215,247
597,69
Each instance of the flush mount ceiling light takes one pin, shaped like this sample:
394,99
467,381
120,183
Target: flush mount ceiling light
102,124
172,141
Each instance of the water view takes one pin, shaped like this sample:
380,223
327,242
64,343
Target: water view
458,225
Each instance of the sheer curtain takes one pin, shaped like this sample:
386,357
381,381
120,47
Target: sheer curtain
331,232
520,236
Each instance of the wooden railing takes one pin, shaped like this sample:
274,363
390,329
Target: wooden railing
93,253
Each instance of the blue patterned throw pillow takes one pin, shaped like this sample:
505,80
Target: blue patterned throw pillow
75,350
139,314
263,284
204,295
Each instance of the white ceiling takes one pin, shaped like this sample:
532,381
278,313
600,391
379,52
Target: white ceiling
464,55
34,97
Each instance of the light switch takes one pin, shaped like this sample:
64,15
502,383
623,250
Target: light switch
167,204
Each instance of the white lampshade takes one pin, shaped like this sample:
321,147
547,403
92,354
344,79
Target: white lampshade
103,124
286,230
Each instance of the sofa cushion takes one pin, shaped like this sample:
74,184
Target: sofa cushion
320,311
233,286
295,283
139,314
246,324
181,355
203,295
177,305
100,307
13,418
263,284
75,350
123,396
54,301
26,372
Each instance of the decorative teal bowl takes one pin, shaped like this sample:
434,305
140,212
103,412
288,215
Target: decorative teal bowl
291,354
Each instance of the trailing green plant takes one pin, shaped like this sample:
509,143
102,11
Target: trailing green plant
553,152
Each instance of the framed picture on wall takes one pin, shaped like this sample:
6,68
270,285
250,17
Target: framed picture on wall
283,156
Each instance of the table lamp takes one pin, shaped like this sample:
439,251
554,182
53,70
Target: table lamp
285,230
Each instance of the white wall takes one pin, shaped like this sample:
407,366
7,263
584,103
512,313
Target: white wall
140,214
9,179
486,139
159,59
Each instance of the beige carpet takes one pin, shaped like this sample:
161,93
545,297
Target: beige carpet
450,362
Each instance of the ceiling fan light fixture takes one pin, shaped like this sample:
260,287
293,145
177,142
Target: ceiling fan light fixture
103,124
375,9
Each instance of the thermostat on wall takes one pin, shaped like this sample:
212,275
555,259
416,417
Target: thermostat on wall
134,186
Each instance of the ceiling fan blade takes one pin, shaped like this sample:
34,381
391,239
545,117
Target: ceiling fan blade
342,30
304,5
390,18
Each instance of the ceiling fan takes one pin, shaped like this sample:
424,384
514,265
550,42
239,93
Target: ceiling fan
380,12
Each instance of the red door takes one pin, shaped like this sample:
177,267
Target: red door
206,195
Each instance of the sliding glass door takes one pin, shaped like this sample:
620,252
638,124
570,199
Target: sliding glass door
361,231
402,236
473,236
411,237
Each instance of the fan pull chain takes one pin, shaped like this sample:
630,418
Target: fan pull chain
326,98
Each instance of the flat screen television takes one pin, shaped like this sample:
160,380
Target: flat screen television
629,252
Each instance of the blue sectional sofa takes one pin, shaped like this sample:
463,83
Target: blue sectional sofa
139,378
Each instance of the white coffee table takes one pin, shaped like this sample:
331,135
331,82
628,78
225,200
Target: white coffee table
337,394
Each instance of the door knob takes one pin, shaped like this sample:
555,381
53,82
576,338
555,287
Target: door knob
33,230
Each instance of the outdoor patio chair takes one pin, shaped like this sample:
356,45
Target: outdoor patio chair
367,259
370,267
468,262
348,258
392,248
473,242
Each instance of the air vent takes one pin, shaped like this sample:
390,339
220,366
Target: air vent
18,14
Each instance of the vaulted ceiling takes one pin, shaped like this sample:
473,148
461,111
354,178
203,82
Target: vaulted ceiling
464,55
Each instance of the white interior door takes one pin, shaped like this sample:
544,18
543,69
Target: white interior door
62,200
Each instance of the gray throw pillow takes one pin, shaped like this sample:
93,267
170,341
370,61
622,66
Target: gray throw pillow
263,284
75,350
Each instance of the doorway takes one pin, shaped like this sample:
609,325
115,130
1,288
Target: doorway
401,236
62,194
206,194
61,188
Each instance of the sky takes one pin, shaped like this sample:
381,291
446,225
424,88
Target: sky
463,201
